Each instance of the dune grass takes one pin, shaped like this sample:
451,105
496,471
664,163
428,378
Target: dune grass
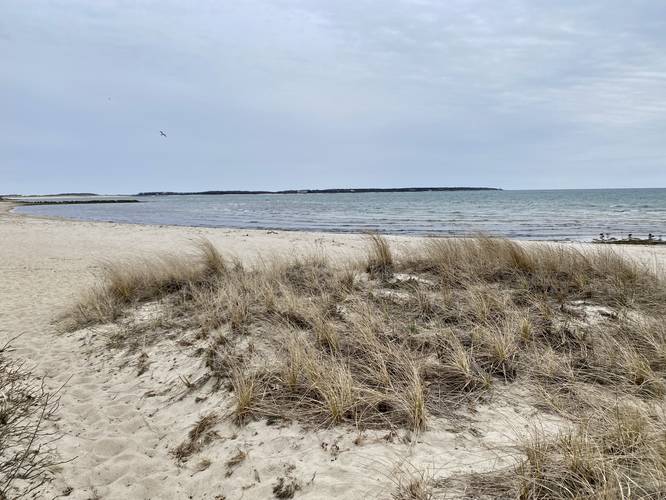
618,451
27,454
126,283
400,339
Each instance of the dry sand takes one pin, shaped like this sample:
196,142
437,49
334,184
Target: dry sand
119,428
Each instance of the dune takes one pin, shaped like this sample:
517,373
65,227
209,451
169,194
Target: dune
148,418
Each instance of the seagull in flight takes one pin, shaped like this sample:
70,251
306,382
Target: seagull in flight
162,133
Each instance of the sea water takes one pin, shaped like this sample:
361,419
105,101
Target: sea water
541,215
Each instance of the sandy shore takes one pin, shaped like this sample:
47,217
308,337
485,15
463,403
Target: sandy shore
119,428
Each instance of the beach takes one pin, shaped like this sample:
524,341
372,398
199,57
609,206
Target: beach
119,430
279,249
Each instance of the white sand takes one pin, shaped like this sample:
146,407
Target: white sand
119,428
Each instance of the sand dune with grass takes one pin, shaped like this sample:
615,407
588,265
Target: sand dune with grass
213,363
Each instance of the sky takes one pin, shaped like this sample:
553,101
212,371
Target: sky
288,94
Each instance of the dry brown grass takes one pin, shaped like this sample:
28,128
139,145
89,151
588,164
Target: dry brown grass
411,482
380,258
245,387
618,452
27,455
234,462
199,436
563,273
401,339
131,282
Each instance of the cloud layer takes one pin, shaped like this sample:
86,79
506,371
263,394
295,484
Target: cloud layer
310,93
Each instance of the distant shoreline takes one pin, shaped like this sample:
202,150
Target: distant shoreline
53,195
321,191
68,202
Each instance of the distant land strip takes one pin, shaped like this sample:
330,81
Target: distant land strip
323,191
9,196
72,202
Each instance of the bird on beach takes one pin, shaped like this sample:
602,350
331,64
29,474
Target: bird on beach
162,133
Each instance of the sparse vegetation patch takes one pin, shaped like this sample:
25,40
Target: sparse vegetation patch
27,457
401,339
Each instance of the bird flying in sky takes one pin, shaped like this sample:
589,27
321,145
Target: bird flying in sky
162,133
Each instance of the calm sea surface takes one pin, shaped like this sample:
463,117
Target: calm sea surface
546,215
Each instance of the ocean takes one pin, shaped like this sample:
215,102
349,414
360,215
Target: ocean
536,215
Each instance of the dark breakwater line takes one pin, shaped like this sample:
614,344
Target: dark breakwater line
72,202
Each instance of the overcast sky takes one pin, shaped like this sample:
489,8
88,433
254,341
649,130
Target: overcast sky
276,94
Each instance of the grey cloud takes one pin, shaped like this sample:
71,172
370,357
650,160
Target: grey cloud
296,93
